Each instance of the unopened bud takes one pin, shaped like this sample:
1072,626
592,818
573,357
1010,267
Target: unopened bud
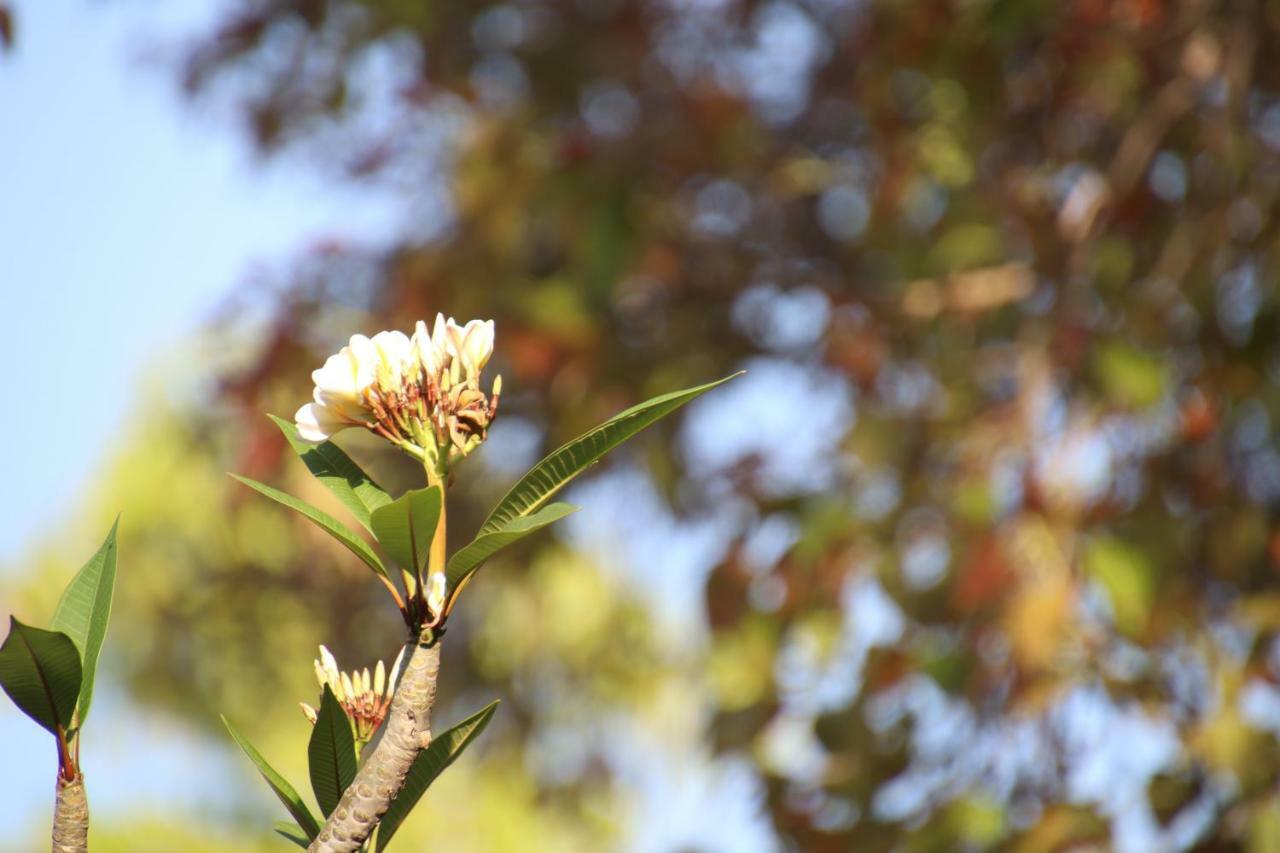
435,592
348,691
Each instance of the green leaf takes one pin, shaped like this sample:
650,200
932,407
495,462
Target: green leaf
285,792
84,611
331,753
292,832
339,474
547,477
429,764
468,559
327,522
406,526
40,670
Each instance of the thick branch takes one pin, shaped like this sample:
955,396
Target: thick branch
71,817
381,776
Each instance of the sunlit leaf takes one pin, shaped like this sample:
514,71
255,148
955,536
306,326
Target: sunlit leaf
40,670
285,792
551,474
331,753
429,764
326,522
84,611
465,562
406,526
337,472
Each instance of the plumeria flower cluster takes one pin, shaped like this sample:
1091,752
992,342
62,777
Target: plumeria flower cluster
422,393
363,696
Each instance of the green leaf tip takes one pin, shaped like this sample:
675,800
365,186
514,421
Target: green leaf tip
84,611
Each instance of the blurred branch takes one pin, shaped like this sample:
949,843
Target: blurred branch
6,26
968,292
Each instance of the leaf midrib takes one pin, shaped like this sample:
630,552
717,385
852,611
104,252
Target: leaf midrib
44,680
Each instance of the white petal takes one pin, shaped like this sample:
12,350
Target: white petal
393,344
363,356
477,344
395,358
379,680
316,422
440,334
454,336
428,355
338,376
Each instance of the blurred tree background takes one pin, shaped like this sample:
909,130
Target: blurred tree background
981,552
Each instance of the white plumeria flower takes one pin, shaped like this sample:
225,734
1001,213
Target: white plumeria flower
422,393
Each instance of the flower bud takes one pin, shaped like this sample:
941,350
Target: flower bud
435,592
365,696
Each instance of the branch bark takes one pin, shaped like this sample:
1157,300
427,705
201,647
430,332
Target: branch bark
381,776
71,817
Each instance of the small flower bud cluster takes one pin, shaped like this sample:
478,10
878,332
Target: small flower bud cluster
422,393
363,696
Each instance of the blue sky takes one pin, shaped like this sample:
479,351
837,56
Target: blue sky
125,214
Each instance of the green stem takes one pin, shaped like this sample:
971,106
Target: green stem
439,544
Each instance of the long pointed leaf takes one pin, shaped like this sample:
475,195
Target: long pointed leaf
292,832
429,764
331,753
40,670
406,526
338,472
285,792
84,611
468,559
547,477
326,522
